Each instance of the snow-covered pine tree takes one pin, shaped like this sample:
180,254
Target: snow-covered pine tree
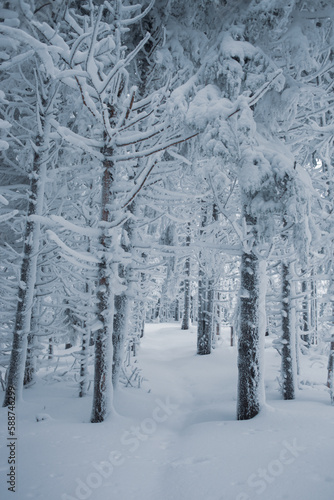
41,155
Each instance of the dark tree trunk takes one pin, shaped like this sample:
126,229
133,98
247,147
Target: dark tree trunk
314,309
119,334
102,396
288,337
210,309
30,366
177,310
306,316
251,331
204,336
186,309
84,362
248,347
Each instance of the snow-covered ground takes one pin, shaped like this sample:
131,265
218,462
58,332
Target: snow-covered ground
176,437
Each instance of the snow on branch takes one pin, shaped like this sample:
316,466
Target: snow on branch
41,49
10,215
57,220
122,63
144,176
77,140
153,150
128,22
83,230
16,60
81,256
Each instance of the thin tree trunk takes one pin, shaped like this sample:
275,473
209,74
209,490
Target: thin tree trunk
306,315
314,309
84,362
177,310
186,309
30,366
210,310
288,367
204,337
119,335
86,337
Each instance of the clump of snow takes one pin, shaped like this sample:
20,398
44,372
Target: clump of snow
207,105
253,169
236,49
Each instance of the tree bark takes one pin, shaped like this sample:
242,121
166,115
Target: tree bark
103,391
305,316
288,367
84,362
119,335
186,309
251,334
204,337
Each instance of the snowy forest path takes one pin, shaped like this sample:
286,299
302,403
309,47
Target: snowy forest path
203,387
200,390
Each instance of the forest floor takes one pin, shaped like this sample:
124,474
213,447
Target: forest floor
176,437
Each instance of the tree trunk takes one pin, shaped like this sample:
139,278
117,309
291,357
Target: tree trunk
119,335
204,337
314,309
186,309
103,391
288,367
177,310
28,271
306,315
204,332
210,309
84,362
252,333
30,366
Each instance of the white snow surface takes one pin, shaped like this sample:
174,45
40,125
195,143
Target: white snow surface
177,436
